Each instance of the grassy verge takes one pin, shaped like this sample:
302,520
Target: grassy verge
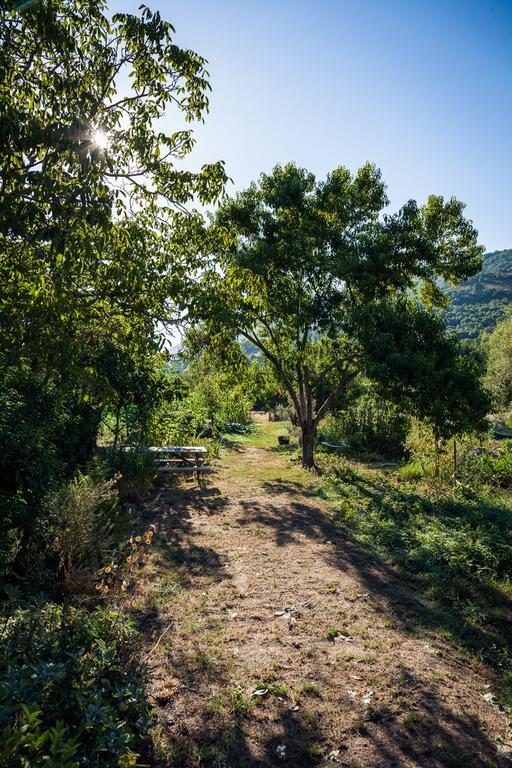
454,546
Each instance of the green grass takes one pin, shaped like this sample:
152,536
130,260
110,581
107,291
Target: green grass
264,434
456,546
281,463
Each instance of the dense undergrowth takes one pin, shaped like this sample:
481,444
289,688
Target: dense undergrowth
71,688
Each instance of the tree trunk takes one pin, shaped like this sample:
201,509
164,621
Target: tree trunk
308,445
116,431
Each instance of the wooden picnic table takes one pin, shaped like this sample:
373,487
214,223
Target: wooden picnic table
180,458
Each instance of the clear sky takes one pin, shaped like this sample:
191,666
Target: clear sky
423,88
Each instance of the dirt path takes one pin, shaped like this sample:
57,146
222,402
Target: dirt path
285,645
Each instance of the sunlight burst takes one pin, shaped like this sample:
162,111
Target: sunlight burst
100,138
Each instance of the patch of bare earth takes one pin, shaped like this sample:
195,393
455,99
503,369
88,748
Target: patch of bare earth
279,642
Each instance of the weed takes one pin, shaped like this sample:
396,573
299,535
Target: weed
311,689
410,721
410,472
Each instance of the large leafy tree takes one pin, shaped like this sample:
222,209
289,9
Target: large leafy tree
94,225
327,287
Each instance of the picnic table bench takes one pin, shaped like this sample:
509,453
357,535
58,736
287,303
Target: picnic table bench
180,458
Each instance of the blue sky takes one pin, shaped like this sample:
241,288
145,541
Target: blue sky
421,88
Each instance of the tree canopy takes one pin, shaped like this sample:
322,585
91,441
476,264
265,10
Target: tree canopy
95,236
327,286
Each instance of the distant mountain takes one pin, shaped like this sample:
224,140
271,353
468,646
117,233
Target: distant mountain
252,352
480,303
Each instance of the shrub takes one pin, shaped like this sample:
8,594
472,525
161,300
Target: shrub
135,471
71,691
44,436
177,426
434,459
488,465
481,461
370,423
83,519
410,471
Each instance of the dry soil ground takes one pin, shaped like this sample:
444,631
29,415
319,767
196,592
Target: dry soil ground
280,643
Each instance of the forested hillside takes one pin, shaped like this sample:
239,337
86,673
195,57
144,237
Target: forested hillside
479,303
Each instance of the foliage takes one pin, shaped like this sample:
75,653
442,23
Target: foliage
222,405
490,465
433,457
411,471
134,471
43,437
118,573
371,423
82,520
83,274
499,361
480,460
221,386
147,393
323,285
96,246
265,390
71,693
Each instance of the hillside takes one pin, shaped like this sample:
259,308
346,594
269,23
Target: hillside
480,303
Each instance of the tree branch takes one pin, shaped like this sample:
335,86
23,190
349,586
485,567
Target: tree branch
277,365
347,377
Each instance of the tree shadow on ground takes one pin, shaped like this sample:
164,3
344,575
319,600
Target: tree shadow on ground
174,549
232,443
462,599
212,723
171,509
217,724
424,731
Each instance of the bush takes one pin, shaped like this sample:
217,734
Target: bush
370,423
488,465
135,471
433,458
178,426
83,519
44,436
481,461
71,693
